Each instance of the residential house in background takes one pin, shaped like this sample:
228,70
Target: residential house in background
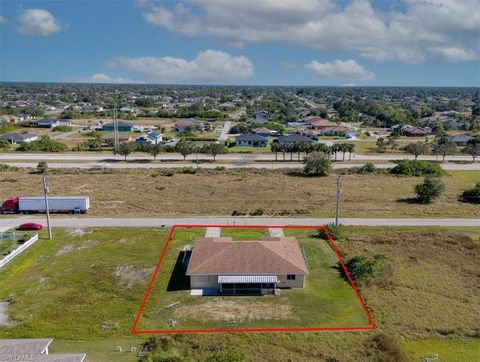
461,140
414,131
92,108
122,127
15,138
45,123
292,139
189,125
229,267
251,139
319,123
151,138
265,132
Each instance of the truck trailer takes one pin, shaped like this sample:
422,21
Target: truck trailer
36,204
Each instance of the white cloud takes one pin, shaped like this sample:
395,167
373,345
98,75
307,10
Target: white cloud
343,69
400,35
2,20
37,22
454,54
208,66
101,78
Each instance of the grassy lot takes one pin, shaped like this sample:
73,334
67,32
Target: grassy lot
244,234
221,192
250,149
327,300
84,287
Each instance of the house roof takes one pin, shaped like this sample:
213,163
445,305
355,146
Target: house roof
120,124
319,122
250,137
17,137
294,137
48,121
222,255
262,130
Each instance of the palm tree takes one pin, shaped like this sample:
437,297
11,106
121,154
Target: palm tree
350,149
275,148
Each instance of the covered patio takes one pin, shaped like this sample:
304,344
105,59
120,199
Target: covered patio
247,284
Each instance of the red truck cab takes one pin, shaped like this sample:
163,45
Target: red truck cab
10,206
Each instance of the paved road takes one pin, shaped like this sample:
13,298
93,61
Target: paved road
72,156
226,220
225,130
65,135
244,164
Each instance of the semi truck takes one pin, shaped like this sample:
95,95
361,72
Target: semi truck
36,204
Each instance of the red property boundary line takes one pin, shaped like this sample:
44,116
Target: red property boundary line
370,327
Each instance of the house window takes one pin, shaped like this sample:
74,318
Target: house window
290,276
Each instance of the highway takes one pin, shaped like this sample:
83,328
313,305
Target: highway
227,220
113,164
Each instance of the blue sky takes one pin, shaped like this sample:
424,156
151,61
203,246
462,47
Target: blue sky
261,42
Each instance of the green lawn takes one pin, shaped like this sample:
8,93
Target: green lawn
327,300
245,234
448,350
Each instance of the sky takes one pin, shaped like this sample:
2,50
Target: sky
248,42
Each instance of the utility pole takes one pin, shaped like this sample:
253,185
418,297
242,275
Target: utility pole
115,129
339,192
47,210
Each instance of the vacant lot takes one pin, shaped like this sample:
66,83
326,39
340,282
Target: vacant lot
84,287
326,301
223,192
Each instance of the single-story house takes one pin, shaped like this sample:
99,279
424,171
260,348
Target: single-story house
338,131
152,138
246,267
292,139
415,131
251,139
92,108
461,140
188,125
265,132
35,350
11,118
45,123
300,125
15,138
122,127
319,122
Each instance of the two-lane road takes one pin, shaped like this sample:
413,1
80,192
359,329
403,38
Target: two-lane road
227,220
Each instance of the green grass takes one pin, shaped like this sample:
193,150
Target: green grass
428,299
450,350
245,234
327,300
249,149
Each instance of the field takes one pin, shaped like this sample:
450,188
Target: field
223,192
83,288
327,300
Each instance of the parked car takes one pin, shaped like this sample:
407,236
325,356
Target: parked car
30,226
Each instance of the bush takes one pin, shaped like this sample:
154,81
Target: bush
317,163
257,212
417,168
335,233
474,191
227,356
63,128
44,144
367,168
189,170
431,188
42,167
365,269
5,167
387,349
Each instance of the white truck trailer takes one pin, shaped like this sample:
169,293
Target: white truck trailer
68,204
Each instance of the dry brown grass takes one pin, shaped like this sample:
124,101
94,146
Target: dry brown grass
211,192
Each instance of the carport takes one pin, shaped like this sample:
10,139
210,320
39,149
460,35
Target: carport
247,284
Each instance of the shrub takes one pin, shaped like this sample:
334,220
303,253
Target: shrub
367,168
431,188
387,349
474,191
257,212
335,233
189,170
44,144
317,163
42,167
63,128
227,356
5,167
364,268
417,168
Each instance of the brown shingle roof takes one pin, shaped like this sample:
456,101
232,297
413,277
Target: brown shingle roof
265,256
